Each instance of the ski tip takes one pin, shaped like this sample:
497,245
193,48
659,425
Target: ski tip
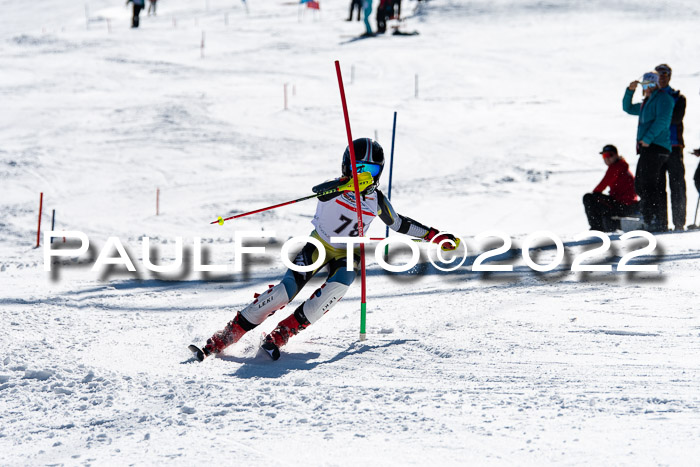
272,350
198,353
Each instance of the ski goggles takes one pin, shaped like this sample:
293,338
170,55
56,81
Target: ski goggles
373,169
646,86
608,155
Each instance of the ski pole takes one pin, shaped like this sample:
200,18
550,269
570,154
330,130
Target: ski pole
221,221
695,221
365,179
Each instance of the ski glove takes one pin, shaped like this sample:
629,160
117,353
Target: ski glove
329,186
449,241
341,184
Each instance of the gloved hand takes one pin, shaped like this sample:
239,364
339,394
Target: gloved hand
447,239
338,185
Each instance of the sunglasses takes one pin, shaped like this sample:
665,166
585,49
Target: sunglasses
608,155
373,169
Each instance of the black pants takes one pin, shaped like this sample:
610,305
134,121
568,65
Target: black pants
676,181
353,4
383,14
601,208
647,183
135,18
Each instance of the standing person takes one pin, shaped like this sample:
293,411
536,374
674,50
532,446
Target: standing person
138,6
367,8
653,146
696,152
384,12
396,9
696,178
674,166
622,199
335,216
353,4
152,5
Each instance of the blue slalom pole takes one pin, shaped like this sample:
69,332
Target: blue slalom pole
391,172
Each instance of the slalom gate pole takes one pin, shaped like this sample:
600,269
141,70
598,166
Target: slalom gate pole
38,229
391,171
360,226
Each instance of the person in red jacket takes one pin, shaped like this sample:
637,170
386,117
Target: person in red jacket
622,199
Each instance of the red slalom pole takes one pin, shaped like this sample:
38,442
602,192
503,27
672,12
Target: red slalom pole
38,229
360,226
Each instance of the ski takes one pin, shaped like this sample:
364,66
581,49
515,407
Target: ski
198,353
271,349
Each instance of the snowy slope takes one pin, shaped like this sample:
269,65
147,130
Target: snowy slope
515,99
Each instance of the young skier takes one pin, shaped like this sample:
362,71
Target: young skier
336,216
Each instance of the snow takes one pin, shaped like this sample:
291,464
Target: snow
515,100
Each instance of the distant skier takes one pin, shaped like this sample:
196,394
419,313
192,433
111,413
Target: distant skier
152,6
335,216
355,4
367,9
384,12
622,200
138,6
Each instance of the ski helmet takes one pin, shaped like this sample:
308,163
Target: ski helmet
369,157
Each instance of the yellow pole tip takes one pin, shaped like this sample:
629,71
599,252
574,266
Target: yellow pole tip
221,220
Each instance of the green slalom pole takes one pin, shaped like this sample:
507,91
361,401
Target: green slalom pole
391,171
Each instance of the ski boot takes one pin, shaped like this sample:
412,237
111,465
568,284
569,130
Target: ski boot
288,327
231,334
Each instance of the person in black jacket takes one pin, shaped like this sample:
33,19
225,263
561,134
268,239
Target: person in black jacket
138,6
674,165
696,178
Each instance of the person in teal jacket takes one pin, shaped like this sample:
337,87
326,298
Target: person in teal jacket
653,146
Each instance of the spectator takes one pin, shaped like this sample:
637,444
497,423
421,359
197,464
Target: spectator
384,12
138,6
353,4
622,199
696,152
367,7
396,9
674,166
152,6
653,146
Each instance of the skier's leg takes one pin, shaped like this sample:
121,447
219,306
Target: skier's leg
322,300
368,12
265,304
